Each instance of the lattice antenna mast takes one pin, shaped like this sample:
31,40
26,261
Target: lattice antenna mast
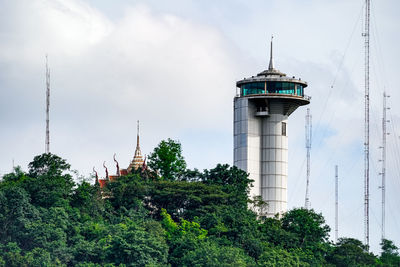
383,161
47,145
336,204
366,123
308,129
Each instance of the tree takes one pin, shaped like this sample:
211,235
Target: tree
50,232
47,163
237,225
309,226
167,159
271,229
39,257
15,213
211,254
184,199
310,231
351,252
16,177
48,184
87,198
136,244
10,255
278,257
390,255
127,191
232,179
189,246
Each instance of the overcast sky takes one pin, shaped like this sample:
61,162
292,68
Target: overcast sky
173,65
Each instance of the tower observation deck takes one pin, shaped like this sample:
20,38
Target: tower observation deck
261,110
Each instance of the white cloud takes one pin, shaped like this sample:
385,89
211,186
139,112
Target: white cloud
171,73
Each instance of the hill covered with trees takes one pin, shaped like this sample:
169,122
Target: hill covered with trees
169,216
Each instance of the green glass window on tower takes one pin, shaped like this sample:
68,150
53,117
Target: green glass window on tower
286,88
300,90
253,88
272,87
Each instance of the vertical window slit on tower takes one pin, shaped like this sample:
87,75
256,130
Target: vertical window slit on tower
284,128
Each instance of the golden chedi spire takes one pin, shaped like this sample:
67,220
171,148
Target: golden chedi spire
137,160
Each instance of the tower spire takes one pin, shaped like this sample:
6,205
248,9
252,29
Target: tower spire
271,61
137,141
137,158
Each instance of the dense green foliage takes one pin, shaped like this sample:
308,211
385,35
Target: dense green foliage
193,219
390,255
167,160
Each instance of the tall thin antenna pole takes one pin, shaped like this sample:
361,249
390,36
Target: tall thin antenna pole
383,160
366,124
308,147
336,203
47,149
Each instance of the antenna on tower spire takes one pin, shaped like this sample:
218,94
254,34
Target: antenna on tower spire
271,61
47,142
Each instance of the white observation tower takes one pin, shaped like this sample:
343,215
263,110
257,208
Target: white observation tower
261,110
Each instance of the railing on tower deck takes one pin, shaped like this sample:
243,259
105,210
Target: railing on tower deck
306,97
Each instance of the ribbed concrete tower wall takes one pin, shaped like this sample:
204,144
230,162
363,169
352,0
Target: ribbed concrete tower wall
261,149
247,138
274,163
